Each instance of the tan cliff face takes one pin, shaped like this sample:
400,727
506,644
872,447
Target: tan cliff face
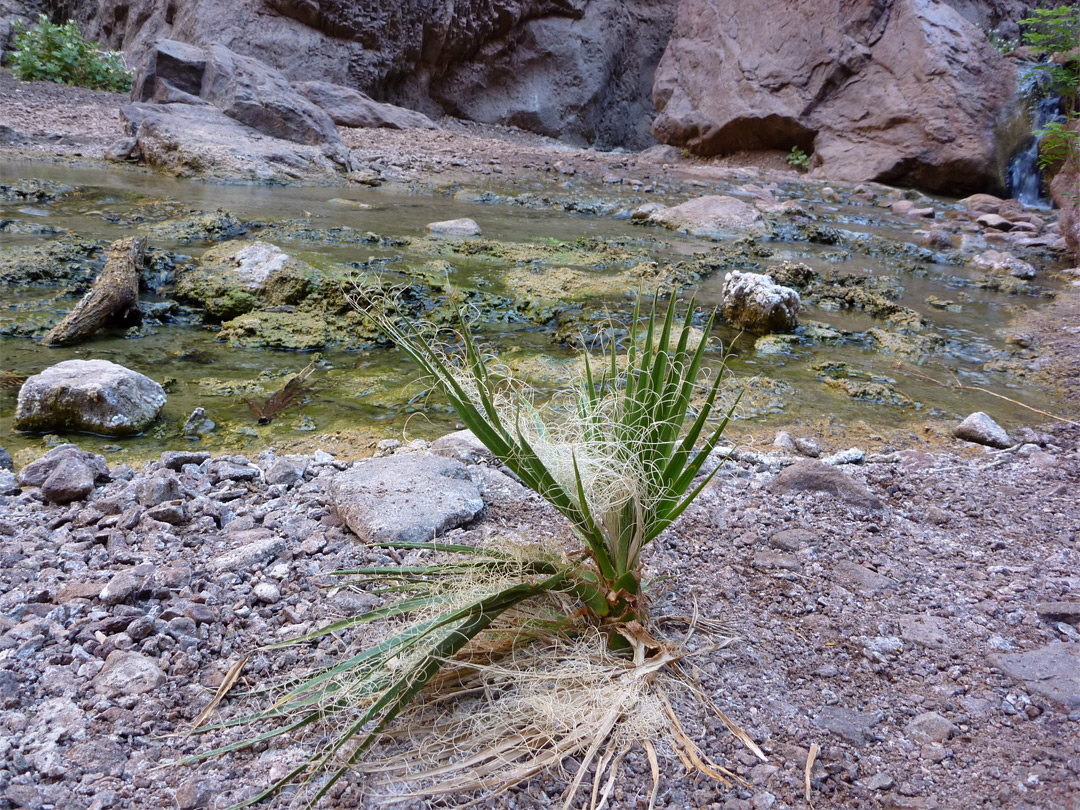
902,91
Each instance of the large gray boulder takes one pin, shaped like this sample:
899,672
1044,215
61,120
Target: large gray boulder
351,108
198,140
94,396
756,303
409,498
245,89
578,70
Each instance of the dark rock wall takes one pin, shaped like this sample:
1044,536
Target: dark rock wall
577,69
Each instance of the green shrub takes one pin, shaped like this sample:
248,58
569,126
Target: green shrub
59,53
553,651
1051,32
798,158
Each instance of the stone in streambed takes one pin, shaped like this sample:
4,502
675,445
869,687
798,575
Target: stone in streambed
712,216
454,227
1052,671
756,303
65,473
70,480
410,498
94,396
981,429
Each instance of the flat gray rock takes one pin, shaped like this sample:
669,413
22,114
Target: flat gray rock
463,446
850,725
454,227
1053,671
929,631
405,498
813,476
253,547
861,578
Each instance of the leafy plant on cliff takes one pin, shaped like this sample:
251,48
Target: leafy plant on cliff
503,660
1054,35
60,53
798,158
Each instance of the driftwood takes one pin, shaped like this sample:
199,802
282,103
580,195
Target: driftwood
292,391
114,294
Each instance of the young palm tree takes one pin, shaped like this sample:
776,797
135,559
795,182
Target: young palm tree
504,630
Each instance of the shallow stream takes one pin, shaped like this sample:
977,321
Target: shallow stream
558,272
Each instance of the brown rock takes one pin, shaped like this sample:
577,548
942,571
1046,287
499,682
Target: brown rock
893,90
814,476
1065,191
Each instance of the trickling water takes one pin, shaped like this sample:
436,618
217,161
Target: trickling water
1025,180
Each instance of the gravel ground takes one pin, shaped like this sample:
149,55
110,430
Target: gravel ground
909,630
882,624
45,119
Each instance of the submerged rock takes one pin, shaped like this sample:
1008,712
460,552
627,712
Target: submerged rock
981,429
707,216
409,498
95,396
1002,263
754,302
65,261
454,227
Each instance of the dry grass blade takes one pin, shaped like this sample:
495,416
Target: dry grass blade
654,768
957,386
231,677
810,759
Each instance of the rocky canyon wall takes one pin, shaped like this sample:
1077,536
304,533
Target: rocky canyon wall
903,91
577,69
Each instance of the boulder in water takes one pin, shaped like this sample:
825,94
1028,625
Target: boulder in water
454,227
756,303
94,396
708,216
981,429
1002,263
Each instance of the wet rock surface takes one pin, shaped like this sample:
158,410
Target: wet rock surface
884,638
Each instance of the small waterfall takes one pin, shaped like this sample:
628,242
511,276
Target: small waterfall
1024,178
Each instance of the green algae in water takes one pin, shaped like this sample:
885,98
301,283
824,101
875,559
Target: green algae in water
539,281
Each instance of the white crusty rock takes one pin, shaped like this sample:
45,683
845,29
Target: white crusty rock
756,303
981,429
95,396
454,227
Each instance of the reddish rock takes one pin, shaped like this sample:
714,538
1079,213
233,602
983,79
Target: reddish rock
902,91
1065,191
